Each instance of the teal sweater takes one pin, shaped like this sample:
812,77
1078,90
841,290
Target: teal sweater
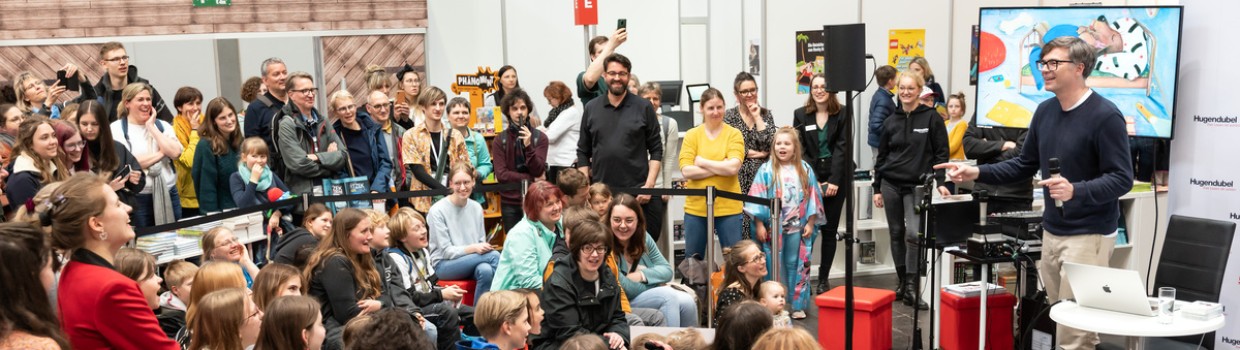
655,267
211,175
526,253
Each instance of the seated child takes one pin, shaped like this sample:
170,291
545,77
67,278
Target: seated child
771,295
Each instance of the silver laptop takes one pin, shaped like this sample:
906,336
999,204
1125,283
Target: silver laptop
1108,289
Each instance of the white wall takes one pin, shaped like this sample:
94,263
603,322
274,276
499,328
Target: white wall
460,36
167,75
783,20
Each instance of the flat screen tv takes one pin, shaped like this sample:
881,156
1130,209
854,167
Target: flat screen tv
1137,67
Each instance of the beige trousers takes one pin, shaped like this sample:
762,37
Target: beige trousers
1092,249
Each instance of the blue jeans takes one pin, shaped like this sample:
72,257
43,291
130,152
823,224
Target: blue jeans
727,227
677,307
144,211
478,267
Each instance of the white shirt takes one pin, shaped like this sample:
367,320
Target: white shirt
562,137
140,143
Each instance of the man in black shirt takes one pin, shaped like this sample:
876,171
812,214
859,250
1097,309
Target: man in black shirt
259,113
620,143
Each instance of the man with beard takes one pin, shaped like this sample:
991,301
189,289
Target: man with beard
620,143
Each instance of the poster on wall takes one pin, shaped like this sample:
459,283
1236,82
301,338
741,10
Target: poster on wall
1205,175
903,45
811,57
755,51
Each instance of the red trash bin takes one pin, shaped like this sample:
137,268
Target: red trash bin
871,321
959,321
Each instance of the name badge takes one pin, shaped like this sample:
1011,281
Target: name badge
921,130
811,127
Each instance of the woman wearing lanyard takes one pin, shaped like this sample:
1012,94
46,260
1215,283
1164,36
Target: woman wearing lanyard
155,144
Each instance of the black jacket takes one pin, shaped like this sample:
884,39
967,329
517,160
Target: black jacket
394,293
293,242
573,308
830,169
910,145
986,146
104,88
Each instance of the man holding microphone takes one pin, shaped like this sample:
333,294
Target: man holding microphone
1085,134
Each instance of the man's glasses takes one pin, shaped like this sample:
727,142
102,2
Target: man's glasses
1051,64
117,59
309,91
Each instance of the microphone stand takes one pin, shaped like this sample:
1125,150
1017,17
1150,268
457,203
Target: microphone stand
924,194
849,238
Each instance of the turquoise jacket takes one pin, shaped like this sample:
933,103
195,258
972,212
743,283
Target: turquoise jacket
479,156
657,270
526,253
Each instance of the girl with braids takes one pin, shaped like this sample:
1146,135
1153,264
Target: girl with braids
342,274
102,308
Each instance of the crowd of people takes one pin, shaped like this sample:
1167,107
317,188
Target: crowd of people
580,263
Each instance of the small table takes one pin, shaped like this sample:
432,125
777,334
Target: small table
1070,314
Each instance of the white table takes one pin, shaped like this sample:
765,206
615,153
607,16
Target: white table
1070,314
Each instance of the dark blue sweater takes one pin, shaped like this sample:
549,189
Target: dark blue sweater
1091,143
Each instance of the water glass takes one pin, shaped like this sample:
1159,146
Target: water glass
1166,300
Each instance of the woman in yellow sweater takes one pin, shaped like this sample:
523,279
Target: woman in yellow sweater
711,156
188,102
956,126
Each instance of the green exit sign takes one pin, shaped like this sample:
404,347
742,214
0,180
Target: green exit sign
205,3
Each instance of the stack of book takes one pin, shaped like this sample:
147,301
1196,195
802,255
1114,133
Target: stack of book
973,289
158,244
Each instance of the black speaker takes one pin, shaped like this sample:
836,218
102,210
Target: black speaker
845,58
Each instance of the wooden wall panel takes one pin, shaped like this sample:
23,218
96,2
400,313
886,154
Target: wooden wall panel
348,56
36,19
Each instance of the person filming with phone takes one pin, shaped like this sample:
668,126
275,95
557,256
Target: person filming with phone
519,153
1077,140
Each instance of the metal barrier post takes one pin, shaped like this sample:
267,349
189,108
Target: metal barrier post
777,241
710,254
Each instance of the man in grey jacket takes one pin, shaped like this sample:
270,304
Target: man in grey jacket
306,142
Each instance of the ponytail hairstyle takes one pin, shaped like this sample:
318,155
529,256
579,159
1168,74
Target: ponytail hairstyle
377,78
128,94
734,258
796,161
69,209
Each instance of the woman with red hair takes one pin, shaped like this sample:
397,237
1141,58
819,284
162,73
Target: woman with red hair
71,147
528,246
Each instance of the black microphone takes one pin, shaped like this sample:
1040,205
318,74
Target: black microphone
1053,165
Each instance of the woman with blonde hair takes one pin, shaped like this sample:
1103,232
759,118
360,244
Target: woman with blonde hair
903,156
793,338
101,308
224,320
366,153
220,244
503,321
921,67
154,143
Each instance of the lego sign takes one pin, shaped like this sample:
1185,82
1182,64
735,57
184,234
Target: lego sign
585,12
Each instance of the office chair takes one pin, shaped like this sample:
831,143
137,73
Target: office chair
1194,257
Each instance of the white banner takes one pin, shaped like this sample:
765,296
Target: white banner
1204,164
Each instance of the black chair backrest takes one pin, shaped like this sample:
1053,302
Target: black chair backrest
1194,257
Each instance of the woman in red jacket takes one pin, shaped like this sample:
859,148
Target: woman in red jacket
99,307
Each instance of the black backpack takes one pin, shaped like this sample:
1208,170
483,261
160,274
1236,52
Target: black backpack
275,160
